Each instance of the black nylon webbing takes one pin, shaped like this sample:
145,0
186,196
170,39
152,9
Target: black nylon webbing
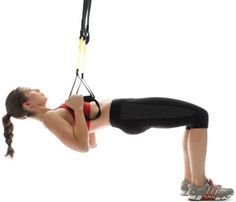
84,32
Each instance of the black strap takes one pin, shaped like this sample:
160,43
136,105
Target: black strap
84,32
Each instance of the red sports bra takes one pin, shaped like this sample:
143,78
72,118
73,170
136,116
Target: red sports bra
86,111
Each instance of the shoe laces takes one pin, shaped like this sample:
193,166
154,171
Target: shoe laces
210,182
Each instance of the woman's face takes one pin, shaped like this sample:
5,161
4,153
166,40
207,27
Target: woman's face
34,97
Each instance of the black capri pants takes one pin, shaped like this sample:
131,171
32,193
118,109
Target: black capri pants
136,115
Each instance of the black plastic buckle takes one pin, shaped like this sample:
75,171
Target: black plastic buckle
85,35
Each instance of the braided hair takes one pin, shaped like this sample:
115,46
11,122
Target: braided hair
8,129
14,107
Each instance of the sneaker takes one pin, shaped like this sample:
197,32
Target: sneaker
185,185
209,192
184,188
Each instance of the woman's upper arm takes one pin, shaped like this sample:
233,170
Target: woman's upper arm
63,130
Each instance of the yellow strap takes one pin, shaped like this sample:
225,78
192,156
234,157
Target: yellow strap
81,55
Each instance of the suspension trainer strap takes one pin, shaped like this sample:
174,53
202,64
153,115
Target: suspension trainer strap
84,32
84,39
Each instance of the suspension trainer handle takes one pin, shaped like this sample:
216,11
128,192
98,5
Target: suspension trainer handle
88,98
92,99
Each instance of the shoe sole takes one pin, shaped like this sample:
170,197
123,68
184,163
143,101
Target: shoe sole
199,198
184,193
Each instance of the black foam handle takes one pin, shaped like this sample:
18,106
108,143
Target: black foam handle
90,98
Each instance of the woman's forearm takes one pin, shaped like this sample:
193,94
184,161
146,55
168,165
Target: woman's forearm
80,130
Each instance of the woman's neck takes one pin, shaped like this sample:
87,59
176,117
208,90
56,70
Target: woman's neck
40,114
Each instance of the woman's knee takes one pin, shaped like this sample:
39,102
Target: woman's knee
201,118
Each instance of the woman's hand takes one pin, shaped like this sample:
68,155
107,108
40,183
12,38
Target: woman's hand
92,140
75,102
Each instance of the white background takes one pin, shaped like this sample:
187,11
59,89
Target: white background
180,49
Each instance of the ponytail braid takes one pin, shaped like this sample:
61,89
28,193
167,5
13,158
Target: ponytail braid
8,134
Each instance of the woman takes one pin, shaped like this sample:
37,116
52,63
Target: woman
133,116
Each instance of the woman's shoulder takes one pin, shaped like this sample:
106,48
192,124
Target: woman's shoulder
50,116
54,116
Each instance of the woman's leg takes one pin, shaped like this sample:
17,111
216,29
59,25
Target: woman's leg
197,147
195,143
136,115
187,168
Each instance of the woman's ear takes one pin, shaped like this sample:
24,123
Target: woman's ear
27,106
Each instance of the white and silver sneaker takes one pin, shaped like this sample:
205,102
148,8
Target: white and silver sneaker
209,192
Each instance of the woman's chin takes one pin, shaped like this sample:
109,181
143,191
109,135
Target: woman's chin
45,100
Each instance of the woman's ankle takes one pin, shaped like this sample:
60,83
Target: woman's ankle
188,180
200,182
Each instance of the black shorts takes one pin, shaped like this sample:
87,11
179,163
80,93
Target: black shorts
135,115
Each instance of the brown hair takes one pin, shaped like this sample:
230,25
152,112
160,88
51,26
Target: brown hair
14,107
